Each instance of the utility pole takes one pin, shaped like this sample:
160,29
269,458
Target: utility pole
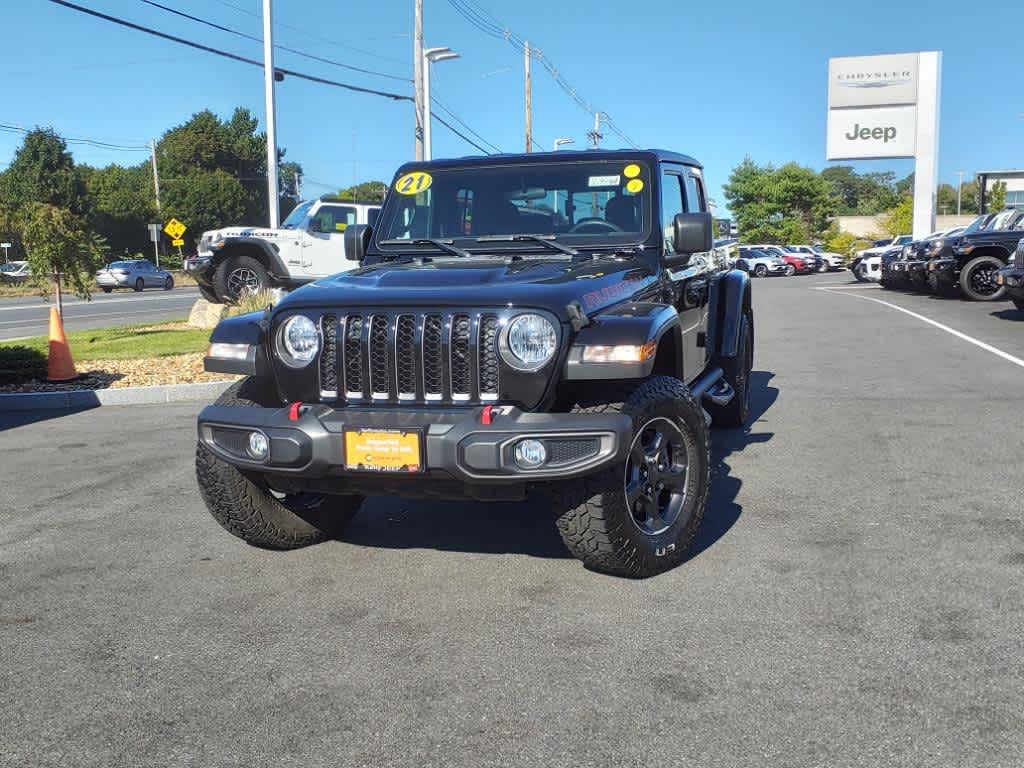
418,64
595,135
529,96
959,190
156,176
298,186
270,116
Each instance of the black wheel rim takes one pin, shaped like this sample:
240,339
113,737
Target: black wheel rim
983,280
657,476
242,281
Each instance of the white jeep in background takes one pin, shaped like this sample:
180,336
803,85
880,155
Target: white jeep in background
309,244
830,261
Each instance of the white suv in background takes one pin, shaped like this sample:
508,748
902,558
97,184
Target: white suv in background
830,261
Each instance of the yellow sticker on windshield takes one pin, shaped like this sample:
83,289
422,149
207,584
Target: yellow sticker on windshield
413,183
631,171
635,185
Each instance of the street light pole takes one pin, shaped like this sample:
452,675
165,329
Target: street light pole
270,116
431,55
560,142
418,64
959,190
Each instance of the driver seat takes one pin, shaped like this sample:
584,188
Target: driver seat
621,211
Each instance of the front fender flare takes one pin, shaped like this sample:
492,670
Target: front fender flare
269,251
639,324
729,298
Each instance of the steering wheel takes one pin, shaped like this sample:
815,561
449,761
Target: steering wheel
595,225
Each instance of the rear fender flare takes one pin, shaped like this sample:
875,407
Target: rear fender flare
729,299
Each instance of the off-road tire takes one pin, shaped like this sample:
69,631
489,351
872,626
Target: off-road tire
106,288
968,273
139,285
593,516
168,283
245,506
1018,303
760,270
737,374
222,283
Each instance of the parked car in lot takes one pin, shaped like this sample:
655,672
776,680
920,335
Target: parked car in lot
874,269
829,261
136,274
897,271
485,348
14,272
869,268
1011,277
971,260
761,264
800,263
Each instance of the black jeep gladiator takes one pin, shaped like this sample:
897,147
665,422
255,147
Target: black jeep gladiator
517,321
971,260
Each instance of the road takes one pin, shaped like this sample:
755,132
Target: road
855,597
30,316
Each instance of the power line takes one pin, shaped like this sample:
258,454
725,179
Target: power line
225,54
254,38
491,26
448,111
312,36
70,140
458,133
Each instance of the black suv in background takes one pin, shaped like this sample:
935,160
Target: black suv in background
910,268
971,260
1011,277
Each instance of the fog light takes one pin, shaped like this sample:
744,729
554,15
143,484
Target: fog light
530,454
259,447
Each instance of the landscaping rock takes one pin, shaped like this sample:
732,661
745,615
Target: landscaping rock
206,315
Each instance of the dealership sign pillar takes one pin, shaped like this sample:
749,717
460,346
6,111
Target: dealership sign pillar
888,106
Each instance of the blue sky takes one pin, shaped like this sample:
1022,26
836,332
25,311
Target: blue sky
717,81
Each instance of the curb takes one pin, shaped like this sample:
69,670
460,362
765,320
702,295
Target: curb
94,398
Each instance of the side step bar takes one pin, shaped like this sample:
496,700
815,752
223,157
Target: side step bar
712,385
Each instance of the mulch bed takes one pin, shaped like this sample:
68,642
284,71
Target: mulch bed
105,374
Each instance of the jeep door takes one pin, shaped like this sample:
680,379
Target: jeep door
682,192
323,249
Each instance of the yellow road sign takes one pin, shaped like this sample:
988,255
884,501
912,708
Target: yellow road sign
177,241
175,229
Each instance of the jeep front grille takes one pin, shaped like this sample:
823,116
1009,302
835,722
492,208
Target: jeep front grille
422,357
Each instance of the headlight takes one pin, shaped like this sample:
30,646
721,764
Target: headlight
528,342
907,250
938,244
299,341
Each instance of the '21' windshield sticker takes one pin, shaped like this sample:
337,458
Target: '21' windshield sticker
413,183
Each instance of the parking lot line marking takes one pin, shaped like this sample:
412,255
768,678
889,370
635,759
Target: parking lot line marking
952,331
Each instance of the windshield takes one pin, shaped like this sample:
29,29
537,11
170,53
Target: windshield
121,265
577,202
975,225
1002,220
297,216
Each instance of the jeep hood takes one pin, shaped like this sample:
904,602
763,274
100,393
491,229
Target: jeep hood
481,282
264,233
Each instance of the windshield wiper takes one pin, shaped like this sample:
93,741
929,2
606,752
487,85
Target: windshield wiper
547,240
441,245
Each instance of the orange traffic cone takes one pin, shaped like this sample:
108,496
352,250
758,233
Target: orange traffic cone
61,367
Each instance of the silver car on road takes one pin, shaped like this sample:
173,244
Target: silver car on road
136,274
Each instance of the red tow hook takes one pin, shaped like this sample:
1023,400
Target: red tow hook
293,411
487,415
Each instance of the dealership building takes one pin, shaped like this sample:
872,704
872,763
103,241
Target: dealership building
1014,181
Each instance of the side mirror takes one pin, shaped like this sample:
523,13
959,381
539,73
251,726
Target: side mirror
356,241
691,233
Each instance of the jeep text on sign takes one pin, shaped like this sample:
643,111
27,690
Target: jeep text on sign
860,134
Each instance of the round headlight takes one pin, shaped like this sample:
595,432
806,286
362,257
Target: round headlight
528,342
300,341
907,250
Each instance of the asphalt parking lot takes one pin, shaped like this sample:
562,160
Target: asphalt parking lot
30,315
855,597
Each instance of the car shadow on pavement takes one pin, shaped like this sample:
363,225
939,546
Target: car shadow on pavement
1009,314
528,527
723,511
12,419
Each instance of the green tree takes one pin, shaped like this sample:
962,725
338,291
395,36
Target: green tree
900,219
969,197
366,192
60,245
945,199
43,171
123,204
997,196
788,204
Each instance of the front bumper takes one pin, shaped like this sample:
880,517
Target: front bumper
200,268
454,443
943,270
1013,278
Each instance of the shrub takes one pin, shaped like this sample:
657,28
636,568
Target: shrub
19,364
252,302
